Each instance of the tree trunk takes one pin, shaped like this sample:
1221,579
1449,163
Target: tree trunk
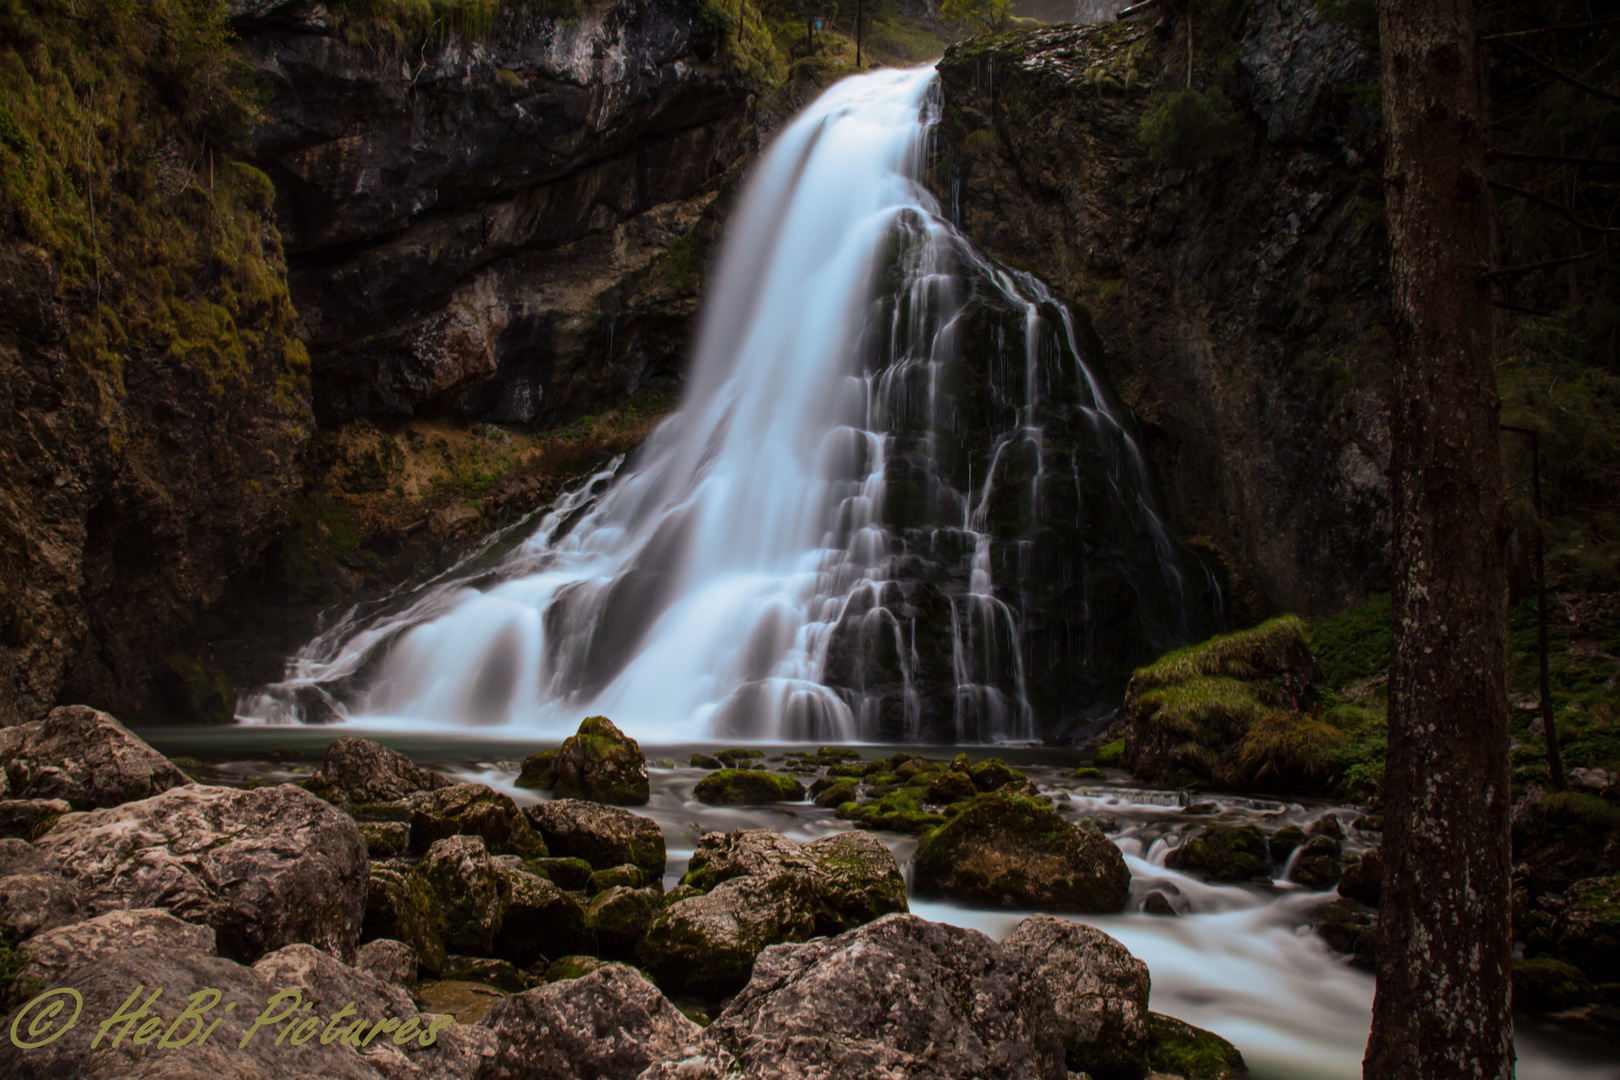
1442,1007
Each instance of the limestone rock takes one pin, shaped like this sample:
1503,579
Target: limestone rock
393,962
85,757
610,1024
604,836
403,907
489,909
362,771
264,868
618,917
34,896
27,817
602,764
55,953
472,810
1013,850
539,921
1098,990
899,997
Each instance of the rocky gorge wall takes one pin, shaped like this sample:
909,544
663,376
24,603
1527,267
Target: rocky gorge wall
220,223
1238,288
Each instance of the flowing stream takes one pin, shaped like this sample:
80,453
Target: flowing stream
1239,960
896,503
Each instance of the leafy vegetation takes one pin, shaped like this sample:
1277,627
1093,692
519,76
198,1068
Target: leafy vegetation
1184,128
119,126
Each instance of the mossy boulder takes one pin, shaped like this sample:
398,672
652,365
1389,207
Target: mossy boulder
1284,841
566,873
1222,853
488,908
1013,850
994,774
403,907
466,810
1179,1049
573,967
760,888
1349,926
482,969
1545,985
604,836
706,761
951,786
538,770
1363,879
837,794
602,764
626,877
1564,837
618,917
385,839
1235,711
745,787
896,811
738,758
1588,929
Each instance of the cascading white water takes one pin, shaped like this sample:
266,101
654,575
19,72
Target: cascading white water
739,579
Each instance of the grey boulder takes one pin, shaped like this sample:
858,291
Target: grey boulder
84,757
263,868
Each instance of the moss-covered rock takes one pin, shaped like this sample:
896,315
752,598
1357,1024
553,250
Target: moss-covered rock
604,836
951,786
738,758
572,967
538,920
1562,837
994,774
403,907
1588,929
1284,841
1179,1049
743,787
385,839
1545,985
618,877
1363,879
1156,903
1222,853
706,761
486,907
538,770
619,916
472,810
482,969
602,764
1349,927
895,811
1233,711
1316,872
1088,772
569,874
1016,851
837,794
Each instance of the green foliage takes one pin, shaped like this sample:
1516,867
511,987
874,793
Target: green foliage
1184,128
975,16
403,22
1354,644
1271,648
119,126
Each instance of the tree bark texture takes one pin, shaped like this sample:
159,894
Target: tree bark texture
1442,1007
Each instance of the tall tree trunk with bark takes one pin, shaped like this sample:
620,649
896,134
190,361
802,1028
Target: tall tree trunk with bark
1442,1007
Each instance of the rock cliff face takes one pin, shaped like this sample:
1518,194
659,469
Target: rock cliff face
1240,298
498,225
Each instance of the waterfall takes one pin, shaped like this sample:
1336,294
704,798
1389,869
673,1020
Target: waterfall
896,502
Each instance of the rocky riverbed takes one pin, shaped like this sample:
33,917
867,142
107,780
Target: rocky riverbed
442,886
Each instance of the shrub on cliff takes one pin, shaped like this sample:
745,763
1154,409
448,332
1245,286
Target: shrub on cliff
1186,127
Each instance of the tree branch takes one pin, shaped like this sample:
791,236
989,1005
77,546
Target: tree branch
1551,205
1549,30
1508,271
1558,73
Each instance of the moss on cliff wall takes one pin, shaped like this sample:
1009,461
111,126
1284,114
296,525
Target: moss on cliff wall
161,395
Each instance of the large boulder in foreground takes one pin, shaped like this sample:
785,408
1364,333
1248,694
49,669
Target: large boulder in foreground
178,973
84,757
364,771
34,896
1099,992
54,953
1012,850
900,997
610,1024
263,868
599,763
761,888
604,836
